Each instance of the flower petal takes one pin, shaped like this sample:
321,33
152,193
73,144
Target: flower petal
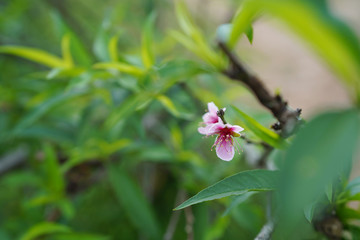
210,118
215,128
225,149
235,128
212,107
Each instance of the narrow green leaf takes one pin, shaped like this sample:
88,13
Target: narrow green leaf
44,228
147,52
113,50
79,236
40,110
253,180
35,55
55,180
354,186
168,104
309,212
66,52
195,39
259,130
242,23
122,67
133,202
126,108
320,153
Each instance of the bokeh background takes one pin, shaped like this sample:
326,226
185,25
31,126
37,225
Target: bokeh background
68,172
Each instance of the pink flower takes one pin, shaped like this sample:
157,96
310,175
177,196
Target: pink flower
209,118
224,142
215,125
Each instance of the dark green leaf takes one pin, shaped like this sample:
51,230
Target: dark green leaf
319,154
133,202
254,180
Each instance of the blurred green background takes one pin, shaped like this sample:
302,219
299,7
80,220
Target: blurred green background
102,142
103,154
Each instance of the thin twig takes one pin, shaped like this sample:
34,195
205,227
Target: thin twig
170,230
189,216
266,231
288,119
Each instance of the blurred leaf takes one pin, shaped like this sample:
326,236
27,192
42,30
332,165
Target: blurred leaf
241,23
194,40
176,137
170,106
216,231
126,108
354,186
250,33
347,213
66,52
46,133
133,202
35,55
122,67
40,110
309,211
55,180
254,180
113,50
79,236
329,192
147,52
80,53
263,133
319,153
65,73
44,228
237,201
332,39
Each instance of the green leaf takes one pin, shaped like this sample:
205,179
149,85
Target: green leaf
250,33
329,37
171,108
122,67
242,23
43,108
35,55
147,52
55,181
194,39
44,228
253,180
354,186
133,202
113,50
237,201
319,153
66,52
126,108
309,211
79,236
259,130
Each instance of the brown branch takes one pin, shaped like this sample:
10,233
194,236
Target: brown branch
287,117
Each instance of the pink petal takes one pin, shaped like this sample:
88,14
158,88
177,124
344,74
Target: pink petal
225,149
204,130
215,128
212,107
234,128
210,118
